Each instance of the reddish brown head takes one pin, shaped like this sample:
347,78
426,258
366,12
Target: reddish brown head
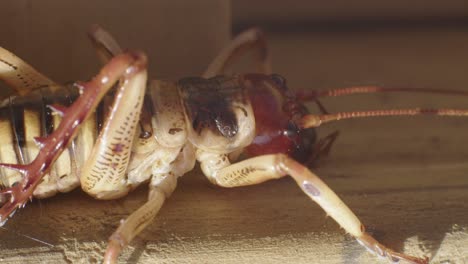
277,113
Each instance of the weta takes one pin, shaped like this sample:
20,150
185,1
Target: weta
56,138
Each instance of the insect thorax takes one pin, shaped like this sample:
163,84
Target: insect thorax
217,115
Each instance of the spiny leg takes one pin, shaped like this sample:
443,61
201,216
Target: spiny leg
127,66
30,83
259,169
251,39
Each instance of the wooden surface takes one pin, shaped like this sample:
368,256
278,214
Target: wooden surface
406,178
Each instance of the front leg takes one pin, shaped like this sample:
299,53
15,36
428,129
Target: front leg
259,169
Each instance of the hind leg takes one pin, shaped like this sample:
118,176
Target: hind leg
131,67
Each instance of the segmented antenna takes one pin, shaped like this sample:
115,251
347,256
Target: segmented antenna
124,66
317,120
311,95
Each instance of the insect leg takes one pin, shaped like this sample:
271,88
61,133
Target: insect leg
106,46
19,75
103,175
251,39
259,169
139,219
130,67
161,187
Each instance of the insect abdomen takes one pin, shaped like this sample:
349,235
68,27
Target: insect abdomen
26,117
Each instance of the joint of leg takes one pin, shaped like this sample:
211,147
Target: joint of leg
163,185
281,163
118,240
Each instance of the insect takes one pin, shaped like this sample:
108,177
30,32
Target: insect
61,138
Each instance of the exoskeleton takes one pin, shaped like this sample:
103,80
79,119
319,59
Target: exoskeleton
55,138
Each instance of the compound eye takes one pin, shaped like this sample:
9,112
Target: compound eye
291,130
279,80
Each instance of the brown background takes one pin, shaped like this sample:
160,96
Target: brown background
301,12
405,177
179,37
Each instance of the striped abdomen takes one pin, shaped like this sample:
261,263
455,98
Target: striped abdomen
22,118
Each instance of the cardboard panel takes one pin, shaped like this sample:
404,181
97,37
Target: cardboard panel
283,12
179,37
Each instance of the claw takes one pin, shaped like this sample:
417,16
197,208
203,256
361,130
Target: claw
376,248
18,198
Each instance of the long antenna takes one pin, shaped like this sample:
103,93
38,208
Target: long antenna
309,95
316,120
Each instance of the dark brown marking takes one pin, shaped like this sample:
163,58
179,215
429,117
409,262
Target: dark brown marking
174,131
6,114
210,103
47,119
243,111
18,127
145,118
9,64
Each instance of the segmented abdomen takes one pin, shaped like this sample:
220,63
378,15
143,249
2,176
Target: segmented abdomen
22,118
